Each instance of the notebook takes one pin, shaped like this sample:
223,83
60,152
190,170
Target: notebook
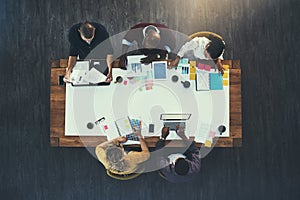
206,80
215,81
202,80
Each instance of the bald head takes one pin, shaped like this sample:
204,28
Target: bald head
152,39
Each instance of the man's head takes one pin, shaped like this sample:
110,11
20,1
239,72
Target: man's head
87,31
151,39
215,48
181,166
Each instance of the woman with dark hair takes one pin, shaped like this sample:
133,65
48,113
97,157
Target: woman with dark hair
204,48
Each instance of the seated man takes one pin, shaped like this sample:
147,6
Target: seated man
153,40
83,38
204,48
112,155
179,167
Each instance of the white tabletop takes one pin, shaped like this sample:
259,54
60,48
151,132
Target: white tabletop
208,109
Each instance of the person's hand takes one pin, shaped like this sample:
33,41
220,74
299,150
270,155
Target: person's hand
220,67
109,77
137,132
173,63
122,139
123,62
67,77
149,59
180,131
165,132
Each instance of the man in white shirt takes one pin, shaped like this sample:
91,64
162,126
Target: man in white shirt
203,48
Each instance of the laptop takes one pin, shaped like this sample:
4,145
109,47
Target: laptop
173,120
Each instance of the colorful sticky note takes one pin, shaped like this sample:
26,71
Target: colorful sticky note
105,128
207,67
225,75
193,69
185,61
225,82
201,66
208,143
226,67
193,63
212,134
193,76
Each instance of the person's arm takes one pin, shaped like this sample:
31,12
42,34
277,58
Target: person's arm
144,146
180,133
220,66
174,62
123,57
120,139
190,45
109,60
71,64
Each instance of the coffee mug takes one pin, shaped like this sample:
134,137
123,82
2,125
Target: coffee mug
119,79
186,84
175,78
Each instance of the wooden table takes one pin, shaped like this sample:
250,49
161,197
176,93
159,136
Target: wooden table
57,112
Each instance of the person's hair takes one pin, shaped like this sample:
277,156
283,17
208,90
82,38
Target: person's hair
115,157
152,38
181,166
87,30
215,48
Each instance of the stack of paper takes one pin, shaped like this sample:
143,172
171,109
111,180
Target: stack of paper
94,76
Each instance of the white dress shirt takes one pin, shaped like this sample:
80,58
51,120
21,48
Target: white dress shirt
196,46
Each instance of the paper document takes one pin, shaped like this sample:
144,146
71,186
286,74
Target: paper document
94,76
135,67
79,72
202,80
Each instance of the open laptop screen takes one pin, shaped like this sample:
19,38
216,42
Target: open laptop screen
175,116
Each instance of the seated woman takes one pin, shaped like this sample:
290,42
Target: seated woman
204,48
114,158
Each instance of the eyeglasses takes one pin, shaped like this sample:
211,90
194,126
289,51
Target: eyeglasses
102,119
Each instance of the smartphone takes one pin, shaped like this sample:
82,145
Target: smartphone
151,128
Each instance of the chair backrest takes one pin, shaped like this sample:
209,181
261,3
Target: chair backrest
204,34
124,177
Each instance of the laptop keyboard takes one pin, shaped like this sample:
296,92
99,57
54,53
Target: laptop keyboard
172,125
